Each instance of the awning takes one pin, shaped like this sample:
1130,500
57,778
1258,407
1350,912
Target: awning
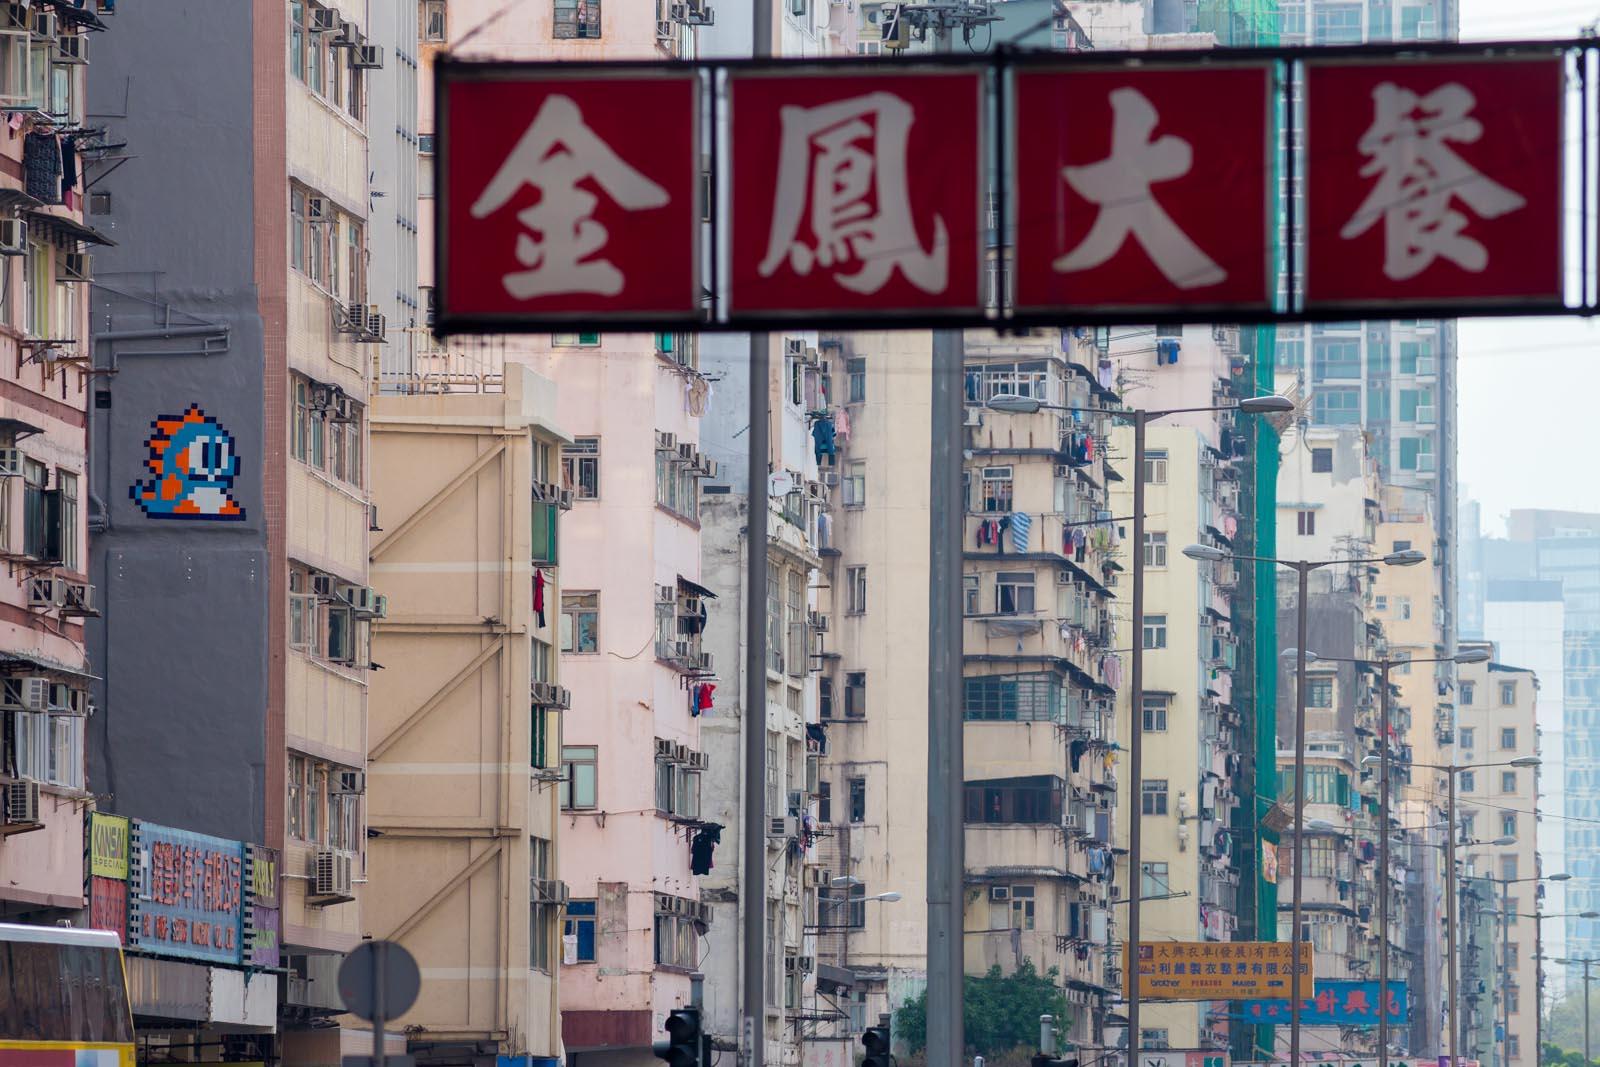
831,978
11,660
696,588
69,227
18,428
74,11
17,200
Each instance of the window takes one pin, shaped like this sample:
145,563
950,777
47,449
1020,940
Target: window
435,28
577,19
824,698
302,614
677,788
1508,871
1508,737
36,290
1508,694
1467,693
855,485
341,647
1034,801
858,800
1508,824
1464,736
997,488
580,622
1155,467
1508,781
1322,461
580,467
1290,355
676,936
1402,607
1013,593
855,695
1513,1041
1416,357
1336,407
1335,359
1154,1037
678,484
39,538
856,589
314,782
1469,781
343,824
1155,713
824,802
856,371
1416,453
1337,24
1155,631
1319,692
577,931
1153,796
67,490
575,340
579,780
1013,698
297,796
969,594
47,748
1022,916
1154,880
1306,523
297,38
1155,549
539,733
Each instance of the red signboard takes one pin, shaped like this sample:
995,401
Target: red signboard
108,905
1433,180
560,201
1142,188
855,193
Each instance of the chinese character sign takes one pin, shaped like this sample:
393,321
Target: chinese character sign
108,905
1142,188
1335,1002
1219,970
189,895
108,845
1433,180
557,201
855,193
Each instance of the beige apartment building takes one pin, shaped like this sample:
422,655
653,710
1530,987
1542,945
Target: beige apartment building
466,729
1497,809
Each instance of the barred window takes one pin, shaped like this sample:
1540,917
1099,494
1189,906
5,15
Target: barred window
1014,698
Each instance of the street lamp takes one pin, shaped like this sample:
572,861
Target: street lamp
1505,950
1026,405
1303,568
1586,962
1384,666
1453,770
1538,918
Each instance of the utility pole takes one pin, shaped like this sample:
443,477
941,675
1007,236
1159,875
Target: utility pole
1450,920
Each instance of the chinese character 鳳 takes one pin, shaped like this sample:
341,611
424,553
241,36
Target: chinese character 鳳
1419,174
562,237
842,168
1120,186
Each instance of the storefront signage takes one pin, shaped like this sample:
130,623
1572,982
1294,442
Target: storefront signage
1335,1002
108,846
265,869
189,894
108,905
1219,970
1012,189
267,932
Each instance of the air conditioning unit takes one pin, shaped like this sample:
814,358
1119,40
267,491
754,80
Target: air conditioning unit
11,462
549,891
830,479
344,408
362,599
819,622
13,237
322,585
678,12
348,783
566,499
1063,578
663,749
680,753
349,35
43,24
21,803
702,661
1063,471
73,266
332,875
1072,822
794,346
376,327
78,599
974,417
62,699
815,878
664,30
808,964
999,892
697,761
35,692
797,800
45,592
666,594
782,828
73,48
552,696
354,319
324,19
367,57
380,607
16,17
809,356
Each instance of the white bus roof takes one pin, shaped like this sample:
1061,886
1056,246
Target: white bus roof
59,935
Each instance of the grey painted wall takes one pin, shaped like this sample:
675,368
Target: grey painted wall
179,737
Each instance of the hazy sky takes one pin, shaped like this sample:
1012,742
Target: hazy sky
1530,424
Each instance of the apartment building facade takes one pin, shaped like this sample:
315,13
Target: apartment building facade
45,591
467,723
231,483
1497,806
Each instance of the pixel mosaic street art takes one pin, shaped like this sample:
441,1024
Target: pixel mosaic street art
194,462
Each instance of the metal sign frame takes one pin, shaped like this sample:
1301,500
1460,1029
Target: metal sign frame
1578,164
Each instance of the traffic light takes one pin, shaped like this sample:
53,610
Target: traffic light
682,1048
876,1041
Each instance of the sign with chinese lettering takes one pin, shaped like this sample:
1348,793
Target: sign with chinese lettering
189,894
556,202
1218,970
108,845
1143,187
1335,1002
1434,180
265,868
108,905
855,192
265,947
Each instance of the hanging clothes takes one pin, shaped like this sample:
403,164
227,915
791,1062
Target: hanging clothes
1103,374
69,163
701,701
822,439
824,530
41,167
841,427
538,594
703,846
1076,750
1021,523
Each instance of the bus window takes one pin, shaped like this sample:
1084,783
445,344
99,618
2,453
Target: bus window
62,992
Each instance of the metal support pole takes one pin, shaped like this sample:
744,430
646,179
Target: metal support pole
946,1045
1134,789
1303,569
1383,862
753,862
1505,971
1588,1057
1451,890
1538,973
